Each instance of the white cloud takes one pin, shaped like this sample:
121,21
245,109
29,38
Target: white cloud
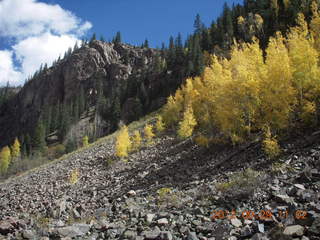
7,70
40,32
33,51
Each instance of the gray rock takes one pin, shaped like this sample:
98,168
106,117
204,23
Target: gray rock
132,193
129,234
236,222
166,235
29,234
75,230
295,230
163,221
315,227
261,227
152,234
150,217
260,236
192,236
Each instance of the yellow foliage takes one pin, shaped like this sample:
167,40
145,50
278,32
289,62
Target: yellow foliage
315,25
202,141
136,140
277,93
170,112
270,145
308,112
238,96
160,126
85,141
15,148
148,133
304,61
187,124
5,157
74,176
123,143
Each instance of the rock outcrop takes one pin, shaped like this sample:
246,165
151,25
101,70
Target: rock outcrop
124,71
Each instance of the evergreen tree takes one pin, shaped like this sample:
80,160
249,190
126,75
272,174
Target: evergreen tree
117,39
70,146
28,145
93,37
65,122
54,117
38,140
198,25
146,44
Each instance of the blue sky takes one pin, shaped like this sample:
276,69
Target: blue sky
38,31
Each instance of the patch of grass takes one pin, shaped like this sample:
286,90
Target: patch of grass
43,222
168,198
240,180
280,167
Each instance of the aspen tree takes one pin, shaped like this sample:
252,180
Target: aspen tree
160,126
85,141
5,157
136,140
15,148
148,133
123,143
186,126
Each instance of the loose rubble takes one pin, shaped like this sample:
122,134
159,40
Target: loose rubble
166,191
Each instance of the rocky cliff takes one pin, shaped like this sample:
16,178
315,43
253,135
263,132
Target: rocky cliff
122,72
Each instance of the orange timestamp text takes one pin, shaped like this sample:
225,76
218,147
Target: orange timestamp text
261,215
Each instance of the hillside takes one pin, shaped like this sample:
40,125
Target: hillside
117,80
168,190
229,124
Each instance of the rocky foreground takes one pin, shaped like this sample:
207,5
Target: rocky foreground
170,190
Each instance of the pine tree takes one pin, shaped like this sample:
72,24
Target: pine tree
186,126
198,25
38,140
123,143
117,39
65,122
146,44
93,37
15,149
5,157
148,133
70,146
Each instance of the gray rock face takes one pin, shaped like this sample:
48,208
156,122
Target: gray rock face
118,67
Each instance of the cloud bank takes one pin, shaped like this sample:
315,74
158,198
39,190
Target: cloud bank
39,33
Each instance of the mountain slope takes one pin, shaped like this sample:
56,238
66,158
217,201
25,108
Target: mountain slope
118,74
169,189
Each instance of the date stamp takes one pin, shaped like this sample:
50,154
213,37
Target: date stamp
261,215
